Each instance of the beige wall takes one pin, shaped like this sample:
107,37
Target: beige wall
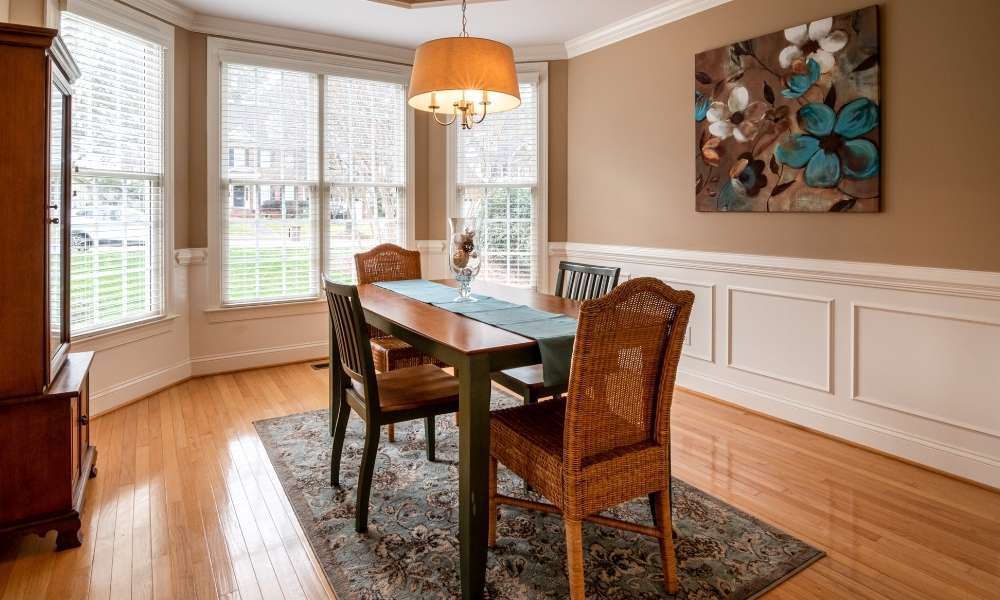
41,13
197,184
182,127
631,148
558,129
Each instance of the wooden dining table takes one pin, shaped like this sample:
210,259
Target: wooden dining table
475,349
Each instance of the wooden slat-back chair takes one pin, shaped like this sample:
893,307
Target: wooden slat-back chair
389,262
608,441
576,281
418,392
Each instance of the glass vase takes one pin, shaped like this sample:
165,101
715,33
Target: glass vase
464,254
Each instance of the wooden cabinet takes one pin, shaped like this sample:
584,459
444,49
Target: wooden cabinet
46,457
45,452
36,73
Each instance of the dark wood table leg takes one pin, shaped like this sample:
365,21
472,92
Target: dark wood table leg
474,451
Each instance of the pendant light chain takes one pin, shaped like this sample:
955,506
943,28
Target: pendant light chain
465,22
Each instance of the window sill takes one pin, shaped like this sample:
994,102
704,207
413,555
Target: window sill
225,314
121,335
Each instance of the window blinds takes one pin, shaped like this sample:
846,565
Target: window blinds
270,179
365,168
116,212
497,173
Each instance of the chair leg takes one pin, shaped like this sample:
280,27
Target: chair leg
667,541
365,478
392,432
491,537
528,398
339,431
574,558
429,434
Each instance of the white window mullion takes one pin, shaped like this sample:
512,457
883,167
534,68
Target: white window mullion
321,194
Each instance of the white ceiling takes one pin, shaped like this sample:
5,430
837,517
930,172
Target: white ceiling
519,23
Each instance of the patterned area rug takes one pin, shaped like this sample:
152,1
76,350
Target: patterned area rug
411,548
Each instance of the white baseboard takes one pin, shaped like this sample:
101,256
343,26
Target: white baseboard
124,392
262,357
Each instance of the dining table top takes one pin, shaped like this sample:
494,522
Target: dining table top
457,331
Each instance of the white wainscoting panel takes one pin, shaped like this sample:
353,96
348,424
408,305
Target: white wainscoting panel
781,336
910,360
699,340
902,359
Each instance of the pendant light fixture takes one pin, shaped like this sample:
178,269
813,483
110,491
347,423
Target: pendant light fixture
462,79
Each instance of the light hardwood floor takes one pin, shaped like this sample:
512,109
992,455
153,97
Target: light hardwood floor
186,504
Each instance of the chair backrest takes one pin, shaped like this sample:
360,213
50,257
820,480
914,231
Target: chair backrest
578,281
353,346
621,383
387,262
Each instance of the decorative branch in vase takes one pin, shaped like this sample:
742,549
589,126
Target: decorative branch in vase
464,255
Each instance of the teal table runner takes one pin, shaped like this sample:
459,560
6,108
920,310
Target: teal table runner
553,332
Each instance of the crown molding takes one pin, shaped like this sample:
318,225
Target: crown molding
540,53
641,22
175,14
293,38
166,10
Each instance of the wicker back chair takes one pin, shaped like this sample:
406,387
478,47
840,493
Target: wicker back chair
389,262
609,441
423,391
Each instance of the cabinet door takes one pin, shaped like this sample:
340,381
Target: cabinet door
57,211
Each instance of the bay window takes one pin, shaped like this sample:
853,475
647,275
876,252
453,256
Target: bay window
313,170
117,209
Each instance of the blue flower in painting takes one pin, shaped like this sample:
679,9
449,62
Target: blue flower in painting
832,147
745,182
701,104
800,84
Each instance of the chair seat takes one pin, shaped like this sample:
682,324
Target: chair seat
530,376
391,353
528,440
527,380
425,387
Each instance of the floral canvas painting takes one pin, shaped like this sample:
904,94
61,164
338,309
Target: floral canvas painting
789,122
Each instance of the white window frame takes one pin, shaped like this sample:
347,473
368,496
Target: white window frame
115,14
537,73
222,50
